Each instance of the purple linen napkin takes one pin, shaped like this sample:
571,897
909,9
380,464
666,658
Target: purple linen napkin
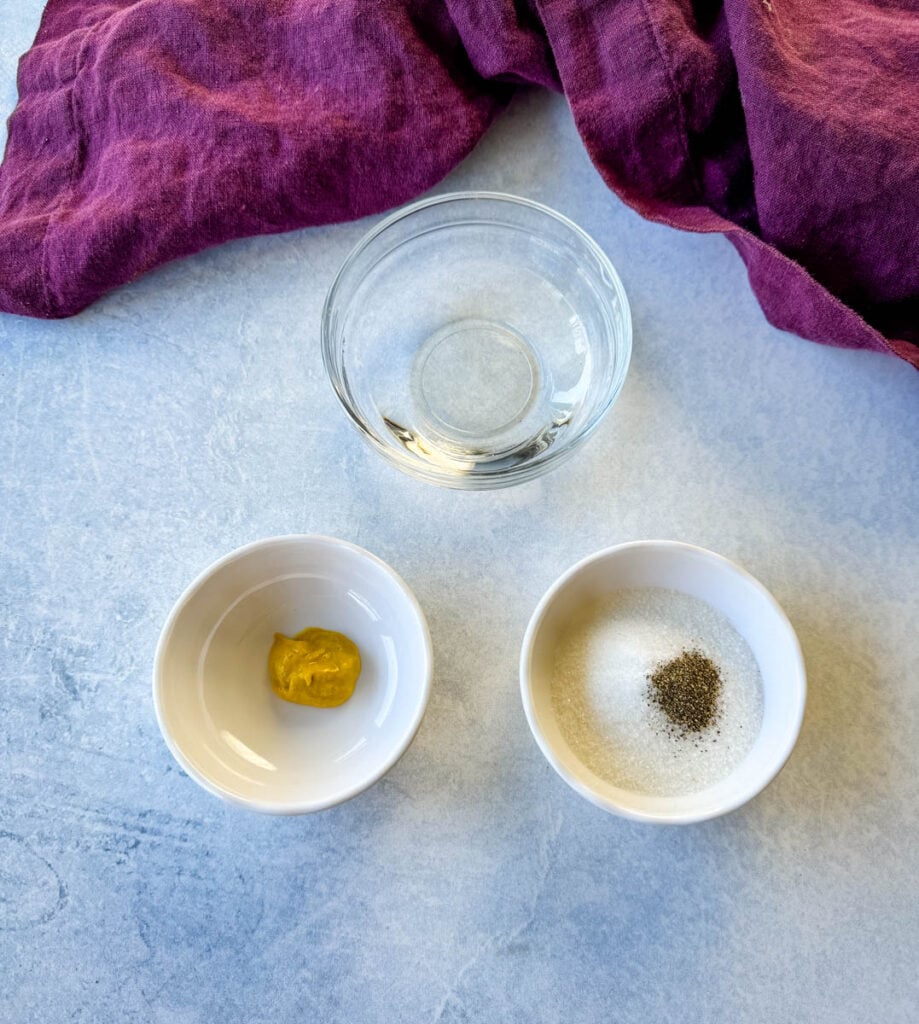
150,129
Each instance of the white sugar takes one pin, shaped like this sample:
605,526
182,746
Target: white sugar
600,692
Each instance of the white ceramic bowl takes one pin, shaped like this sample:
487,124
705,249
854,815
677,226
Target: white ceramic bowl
214,701
750,608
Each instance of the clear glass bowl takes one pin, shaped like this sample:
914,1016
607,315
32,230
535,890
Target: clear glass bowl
476,339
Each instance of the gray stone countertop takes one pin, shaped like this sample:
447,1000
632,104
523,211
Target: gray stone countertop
189,413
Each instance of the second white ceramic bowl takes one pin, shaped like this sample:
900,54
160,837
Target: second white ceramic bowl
214,702
753,612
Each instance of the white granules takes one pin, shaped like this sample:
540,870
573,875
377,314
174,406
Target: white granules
600,692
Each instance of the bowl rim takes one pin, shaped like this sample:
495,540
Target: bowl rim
482,480
297,806
795,705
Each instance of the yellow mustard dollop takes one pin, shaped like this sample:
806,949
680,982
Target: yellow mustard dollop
318,667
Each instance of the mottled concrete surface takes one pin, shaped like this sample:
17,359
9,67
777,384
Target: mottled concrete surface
189,414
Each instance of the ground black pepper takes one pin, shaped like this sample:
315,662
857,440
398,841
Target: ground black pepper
687,689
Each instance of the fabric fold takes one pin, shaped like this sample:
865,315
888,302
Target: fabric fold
149,130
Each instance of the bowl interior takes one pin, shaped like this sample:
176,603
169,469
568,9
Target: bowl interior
753,613
217,708
475,338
